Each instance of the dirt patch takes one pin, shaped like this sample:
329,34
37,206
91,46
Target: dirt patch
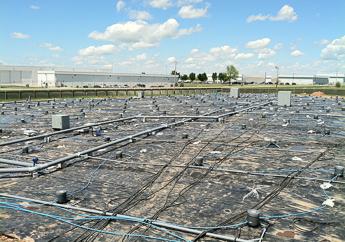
286,234
318,94
14,238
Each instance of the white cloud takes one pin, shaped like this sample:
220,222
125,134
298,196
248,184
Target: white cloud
215,59
278,46
334,50
97,50
324,42
18,35
189,31
265,53
163,4
187,2
243,56
222,51
139,15
140,34
189,11
141,57
296,53
171,59
120,5
193,51
51,47
35,7
286,13
260,43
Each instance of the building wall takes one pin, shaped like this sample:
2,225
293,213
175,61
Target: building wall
297,80
103,80
21,76
334,80
46,79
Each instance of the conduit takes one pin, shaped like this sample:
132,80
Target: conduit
121,140
154,222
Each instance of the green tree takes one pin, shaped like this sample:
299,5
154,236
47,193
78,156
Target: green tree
184,77
231,72
222,77
175,73
202,77
214,76
192,76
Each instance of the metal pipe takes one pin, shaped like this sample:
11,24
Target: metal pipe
126,138
251,173
14,162
64,131
155,222
88,151
179,116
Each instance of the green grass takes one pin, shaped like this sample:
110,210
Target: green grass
191,89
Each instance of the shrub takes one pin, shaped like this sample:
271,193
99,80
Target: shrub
338,84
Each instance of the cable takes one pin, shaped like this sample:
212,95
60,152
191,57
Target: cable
17,207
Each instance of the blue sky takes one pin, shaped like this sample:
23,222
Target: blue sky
302,37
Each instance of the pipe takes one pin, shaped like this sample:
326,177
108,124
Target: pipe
154,222
124,119
88,151
178,116
250,173
64,131
13,162
126,138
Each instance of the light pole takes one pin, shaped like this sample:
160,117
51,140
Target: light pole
277,68
175,64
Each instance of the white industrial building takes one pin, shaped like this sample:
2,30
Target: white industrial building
40,76
321,79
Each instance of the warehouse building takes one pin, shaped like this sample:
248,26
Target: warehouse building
101,79
43,76
311,79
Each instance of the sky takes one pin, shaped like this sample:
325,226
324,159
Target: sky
152,36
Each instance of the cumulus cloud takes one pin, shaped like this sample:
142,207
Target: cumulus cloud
171,59
265,53
97,50
324,42
189,11
139,15
296,53
120,5
51,47
278,46
213,58
286,13
243,56
140,34
18,35
334,50
162,4
187,2
35,7
260,43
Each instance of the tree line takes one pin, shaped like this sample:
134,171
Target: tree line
231,73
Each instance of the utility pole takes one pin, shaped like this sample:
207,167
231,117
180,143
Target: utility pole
277,68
